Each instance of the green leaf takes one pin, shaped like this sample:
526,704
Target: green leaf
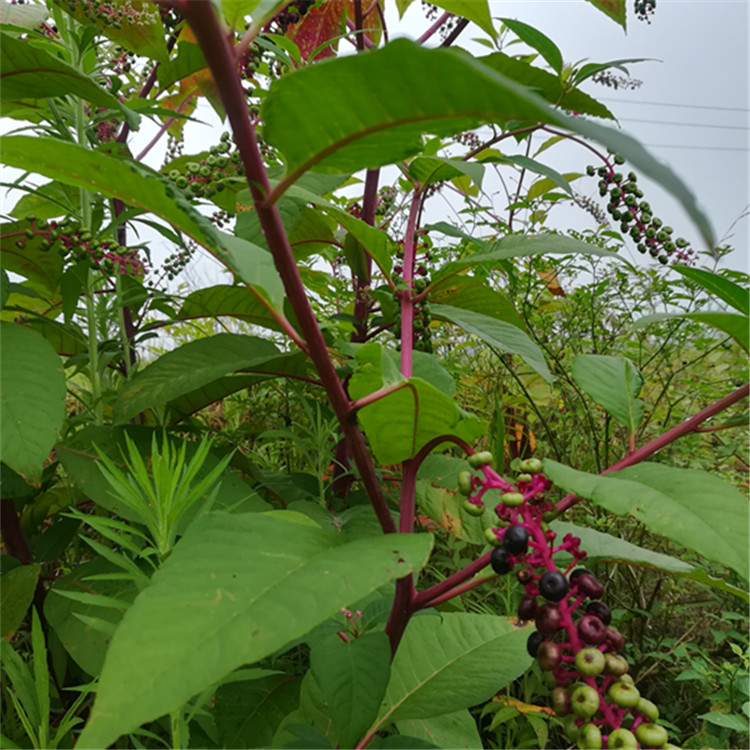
4,287
86,647
532,165
17,588
735,722
32,399
22,16
614,383
30,72
48,201
692,508
248,713
191,366
231,301
601,546
615,9
539,41
733,294
477,11
403,91
456,730
230,594
451,661
352,678
472,293
427,169
81,462
29,261
548,85
189,60
736,326
137,185
445,508
504,336
399,424
142,32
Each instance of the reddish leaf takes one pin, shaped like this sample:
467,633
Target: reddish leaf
319,26
373,24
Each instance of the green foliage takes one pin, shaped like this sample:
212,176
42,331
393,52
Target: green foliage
201,482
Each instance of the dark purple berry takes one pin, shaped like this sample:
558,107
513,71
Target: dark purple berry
527,608
535,640
548,618
600,610
592,630
589,586
516,539
553,585
499,560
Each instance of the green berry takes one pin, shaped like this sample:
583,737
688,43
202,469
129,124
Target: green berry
512,499
480,459
472,508
464,482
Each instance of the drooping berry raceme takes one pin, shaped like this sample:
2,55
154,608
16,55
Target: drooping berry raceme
626,206
573,640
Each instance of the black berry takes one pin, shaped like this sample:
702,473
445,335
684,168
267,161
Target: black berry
516,540
499,560
553,585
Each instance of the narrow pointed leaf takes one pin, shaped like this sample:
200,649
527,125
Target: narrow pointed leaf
231,594
30,72
733,294
539,41
189,367
615,9
734,325
692,508
614,383
504,336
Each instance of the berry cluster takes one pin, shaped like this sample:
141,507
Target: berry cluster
422,312
204,178
578,649
114,12
469,138
386,200
609,79
249,63
77,244
293,14
178,260
635,215
644,9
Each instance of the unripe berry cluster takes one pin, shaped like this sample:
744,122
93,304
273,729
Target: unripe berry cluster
422,336
573,641
114,12
76,244
636,218
204,178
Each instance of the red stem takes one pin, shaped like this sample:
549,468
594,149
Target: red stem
220,58
407,295
686,427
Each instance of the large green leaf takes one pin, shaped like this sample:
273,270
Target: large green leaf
605,547
248,713
451,661
32,399
137,185
231,301
733,294
85,645
236,588
23,16
30,72
454,731
472,293
614,383
17,588
79,457
445,507
399,424
692,508
189,367
504,336
427,169
736,326
397,93
352,678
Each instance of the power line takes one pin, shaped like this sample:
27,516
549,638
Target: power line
694,148
686,124
666,104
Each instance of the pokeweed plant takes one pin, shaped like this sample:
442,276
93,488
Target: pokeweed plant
252,603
